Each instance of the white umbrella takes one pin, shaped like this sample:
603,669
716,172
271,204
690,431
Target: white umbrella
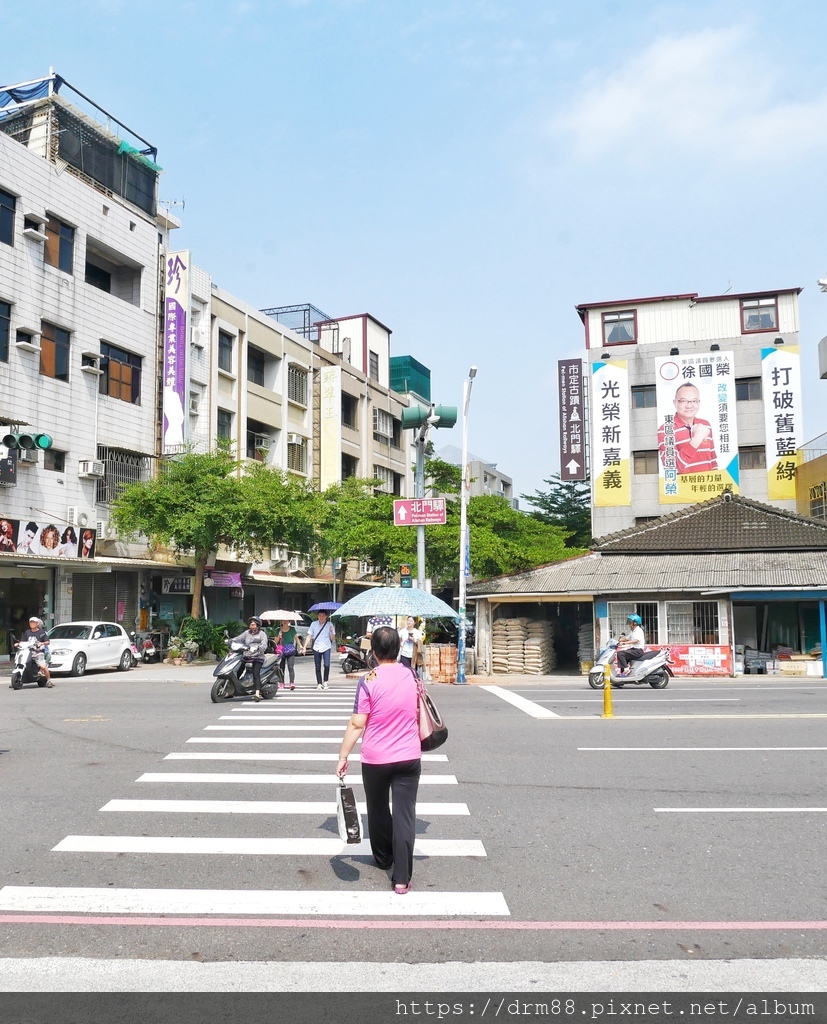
281,615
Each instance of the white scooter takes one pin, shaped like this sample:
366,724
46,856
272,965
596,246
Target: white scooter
653,668
26,669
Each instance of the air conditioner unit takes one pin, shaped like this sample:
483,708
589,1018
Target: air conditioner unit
105,530
80,517
295,439
279,554
27,456
292,564
197,337
261,442
89,469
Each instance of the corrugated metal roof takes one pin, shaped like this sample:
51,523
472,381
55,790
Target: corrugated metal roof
618,573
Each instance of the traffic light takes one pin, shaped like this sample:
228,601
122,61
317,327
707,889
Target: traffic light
405,578
27,441
437,415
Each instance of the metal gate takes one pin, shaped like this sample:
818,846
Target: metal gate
104,596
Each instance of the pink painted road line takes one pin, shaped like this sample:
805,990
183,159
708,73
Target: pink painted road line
439,925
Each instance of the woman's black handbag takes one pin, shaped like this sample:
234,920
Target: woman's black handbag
347,815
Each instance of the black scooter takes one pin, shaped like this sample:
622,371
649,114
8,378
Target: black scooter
234,675
353,659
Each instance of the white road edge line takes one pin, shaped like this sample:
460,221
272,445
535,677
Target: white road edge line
521,703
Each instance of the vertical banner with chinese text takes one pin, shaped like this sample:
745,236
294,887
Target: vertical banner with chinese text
330,426
781,386
176,336
611,466
697,437
572,425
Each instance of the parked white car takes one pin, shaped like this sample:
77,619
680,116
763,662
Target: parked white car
77,646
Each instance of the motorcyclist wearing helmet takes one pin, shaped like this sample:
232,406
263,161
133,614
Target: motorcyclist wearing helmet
631,644
38,633
255,641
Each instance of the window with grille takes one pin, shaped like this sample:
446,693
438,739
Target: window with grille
121,377
748,389
297,385
619,612
692,622
5,330
620,328
225,351
645,462
60,245
7,207
752,457
818,501
120,467
54,351
373,365
644,396
297,456
759,315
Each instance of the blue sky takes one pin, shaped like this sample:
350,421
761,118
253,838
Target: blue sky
468,171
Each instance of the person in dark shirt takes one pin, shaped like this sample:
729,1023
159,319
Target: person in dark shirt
37,632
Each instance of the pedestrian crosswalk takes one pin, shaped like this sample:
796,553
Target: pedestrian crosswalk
183,815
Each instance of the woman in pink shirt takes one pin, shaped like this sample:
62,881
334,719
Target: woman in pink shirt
385,710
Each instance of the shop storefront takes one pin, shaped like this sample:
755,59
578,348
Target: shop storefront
730,585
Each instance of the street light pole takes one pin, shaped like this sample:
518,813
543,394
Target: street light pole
463,524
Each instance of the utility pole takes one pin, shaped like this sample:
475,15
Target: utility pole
465,486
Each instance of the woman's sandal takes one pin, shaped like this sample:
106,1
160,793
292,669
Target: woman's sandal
401,890
256,696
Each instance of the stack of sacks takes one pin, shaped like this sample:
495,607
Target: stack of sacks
499,647
585,642
540,657
516,629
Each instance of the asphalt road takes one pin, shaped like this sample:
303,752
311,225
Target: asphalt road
689,827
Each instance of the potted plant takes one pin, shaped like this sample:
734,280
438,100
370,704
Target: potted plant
189,649
174,650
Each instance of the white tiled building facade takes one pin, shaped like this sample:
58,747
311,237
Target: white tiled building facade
79,279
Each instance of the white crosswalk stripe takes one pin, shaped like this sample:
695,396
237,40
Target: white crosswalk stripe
319,807
264,847
31,899
278,780
220,755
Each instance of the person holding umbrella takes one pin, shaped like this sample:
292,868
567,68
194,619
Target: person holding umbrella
291,643
322,637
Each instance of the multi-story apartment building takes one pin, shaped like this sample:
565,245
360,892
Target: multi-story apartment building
80,248
691,395
485,478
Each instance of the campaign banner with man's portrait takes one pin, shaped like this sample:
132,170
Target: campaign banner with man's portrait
781,387
697,433
610,442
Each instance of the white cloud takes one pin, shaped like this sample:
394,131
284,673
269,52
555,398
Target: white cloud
707,94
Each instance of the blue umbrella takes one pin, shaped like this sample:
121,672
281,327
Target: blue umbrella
325,606
396,601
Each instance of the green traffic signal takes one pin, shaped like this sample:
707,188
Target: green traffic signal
417,415
27,441
447,415
414,416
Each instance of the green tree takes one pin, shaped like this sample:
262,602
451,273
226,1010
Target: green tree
358,524
200,500
502,540
442,477
566,504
